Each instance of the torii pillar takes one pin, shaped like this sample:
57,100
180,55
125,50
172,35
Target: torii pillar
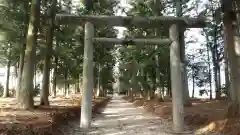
88,83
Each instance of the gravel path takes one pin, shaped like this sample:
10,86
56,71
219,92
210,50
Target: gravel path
122,118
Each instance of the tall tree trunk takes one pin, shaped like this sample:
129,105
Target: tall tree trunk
233,108
218,70
219,79
35,76
68,90
131,94
157,11
151,91
76,87
15,78
215,68
25,99
215,56
54,86
233,59
23,47
142,86
226,72
169,87
193,83
44,93
48,52
158,79
99,84
216,81
6,88
66,82
209,70
80,84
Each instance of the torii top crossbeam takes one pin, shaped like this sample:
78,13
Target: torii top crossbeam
125,21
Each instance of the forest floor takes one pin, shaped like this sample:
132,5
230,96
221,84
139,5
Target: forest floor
204,116
41,120
119,117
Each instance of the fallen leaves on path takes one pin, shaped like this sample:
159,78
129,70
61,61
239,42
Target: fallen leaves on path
204,116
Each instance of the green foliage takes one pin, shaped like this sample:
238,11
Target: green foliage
68,41
69,47
11,29
137,63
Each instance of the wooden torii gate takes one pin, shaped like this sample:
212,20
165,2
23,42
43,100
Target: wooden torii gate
173,23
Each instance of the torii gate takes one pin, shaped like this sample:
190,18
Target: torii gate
173,23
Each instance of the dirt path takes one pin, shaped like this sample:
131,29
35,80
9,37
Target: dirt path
122,118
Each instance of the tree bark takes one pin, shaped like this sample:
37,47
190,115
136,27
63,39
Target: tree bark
23,47
176,80
15,79
233,59
215,55
35,76
77,85
226,72
67,89
48,53
158,32
86,107
216,81
25,99
215,68
169,87
158,79
25,94
44,93
54,86
66,82
131,94
233,55
193,83
99,84
151,91
209,70
142,87
80,84
6,89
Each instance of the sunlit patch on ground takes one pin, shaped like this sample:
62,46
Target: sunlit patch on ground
40,120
